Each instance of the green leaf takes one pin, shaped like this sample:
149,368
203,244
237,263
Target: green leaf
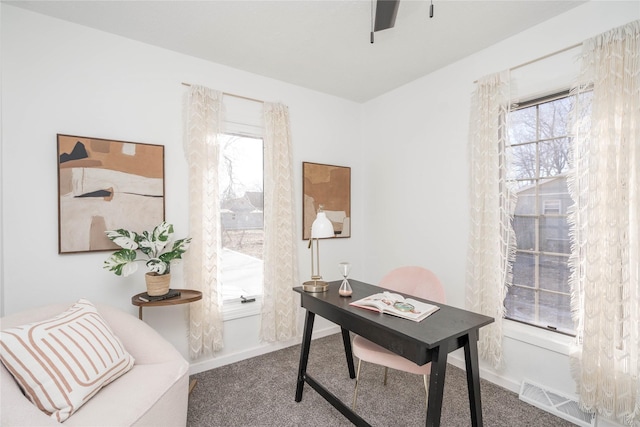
179,247
124,238
122,262
145,244
156,265
161,236
163,232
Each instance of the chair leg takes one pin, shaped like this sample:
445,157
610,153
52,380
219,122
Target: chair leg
355,390
426,390
385,375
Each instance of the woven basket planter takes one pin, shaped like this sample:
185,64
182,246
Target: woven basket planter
157,284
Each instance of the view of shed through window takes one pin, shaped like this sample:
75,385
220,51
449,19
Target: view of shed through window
241,216
539,149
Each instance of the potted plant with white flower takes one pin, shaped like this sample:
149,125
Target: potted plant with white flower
156,249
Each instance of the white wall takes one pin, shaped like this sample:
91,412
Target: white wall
59,77
417,171
407,150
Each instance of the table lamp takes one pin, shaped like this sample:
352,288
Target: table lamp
320,229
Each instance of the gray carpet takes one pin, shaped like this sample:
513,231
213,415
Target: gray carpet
260,392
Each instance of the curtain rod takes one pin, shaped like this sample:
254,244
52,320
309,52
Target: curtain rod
557,52
233,95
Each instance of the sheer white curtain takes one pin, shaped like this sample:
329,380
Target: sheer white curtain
279,305
605,255
203,109
491,237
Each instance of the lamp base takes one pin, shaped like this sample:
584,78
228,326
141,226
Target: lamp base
315,286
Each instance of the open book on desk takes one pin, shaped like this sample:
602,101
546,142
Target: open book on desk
396,305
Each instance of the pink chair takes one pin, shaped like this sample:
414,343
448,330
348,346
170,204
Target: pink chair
414,281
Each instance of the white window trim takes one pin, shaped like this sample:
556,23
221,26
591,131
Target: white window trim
238,310
529,334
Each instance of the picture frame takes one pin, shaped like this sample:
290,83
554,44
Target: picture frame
106,184
329,186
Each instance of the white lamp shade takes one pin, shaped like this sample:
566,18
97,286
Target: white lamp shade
321,227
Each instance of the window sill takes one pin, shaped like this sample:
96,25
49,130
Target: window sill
549,340
238,310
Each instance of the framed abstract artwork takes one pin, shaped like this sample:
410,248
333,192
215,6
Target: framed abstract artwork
328,186
105,185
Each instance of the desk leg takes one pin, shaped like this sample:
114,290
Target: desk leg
304,353
473,377
346,340
436,386
140,312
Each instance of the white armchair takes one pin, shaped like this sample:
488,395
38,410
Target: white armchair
153,393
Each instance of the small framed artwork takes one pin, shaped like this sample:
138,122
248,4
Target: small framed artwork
105,185
328,186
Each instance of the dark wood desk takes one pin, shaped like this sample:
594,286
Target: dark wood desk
431,340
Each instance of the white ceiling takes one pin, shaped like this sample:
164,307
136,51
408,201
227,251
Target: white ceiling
318,44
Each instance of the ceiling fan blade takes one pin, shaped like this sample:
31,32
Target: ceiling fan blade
386,11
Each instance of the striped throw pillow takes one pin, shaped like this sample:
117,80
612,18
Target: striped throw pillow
62,362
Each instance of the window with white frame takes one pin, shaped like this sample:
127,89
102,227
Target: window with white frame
241,201
539,153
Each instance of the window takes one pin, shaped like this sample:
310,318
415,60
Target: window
241,216
551,206
539,150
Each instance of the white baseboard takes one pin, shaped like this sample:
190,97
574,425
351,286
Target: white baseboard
259,350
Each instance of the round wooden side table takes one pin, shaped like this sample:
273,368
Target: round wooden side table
186,296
